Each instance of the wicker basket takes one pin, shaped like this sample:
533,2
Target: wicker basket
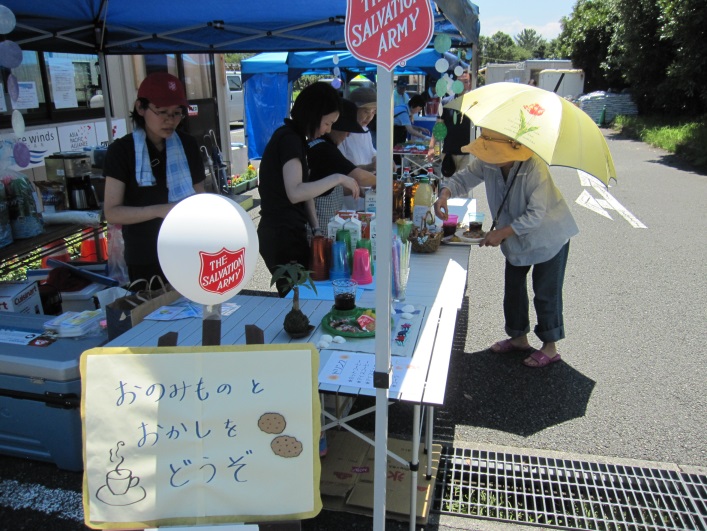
422,239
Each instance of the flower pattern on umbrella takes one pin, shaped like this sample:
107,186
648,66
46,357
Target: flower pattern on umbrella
534,110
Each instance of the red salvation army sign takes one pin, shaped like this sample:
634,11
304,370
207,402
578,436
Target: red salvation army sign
222,271
387,32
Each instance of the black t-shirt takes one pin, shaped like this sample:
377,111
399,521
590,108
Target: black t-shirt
141,238
325,158
458,134
276,209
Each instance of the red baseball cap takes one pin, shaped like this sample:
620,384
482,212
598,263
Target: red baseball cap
163,90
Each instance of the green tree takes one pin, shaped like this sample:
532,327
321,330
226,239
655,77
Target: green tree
684,23
233,60
532,41
500,48
585,38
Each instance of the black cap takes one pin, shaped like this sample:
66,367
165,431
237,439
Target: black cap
347,121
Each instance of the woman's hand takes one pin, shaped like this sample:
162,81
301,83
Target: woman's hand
440,205
496,237
350,184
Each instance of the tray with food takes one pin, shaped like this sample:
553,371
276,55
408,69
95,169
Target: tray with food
465,237
359,322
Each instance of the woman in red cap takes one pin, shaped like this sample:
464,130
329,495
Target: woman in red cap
150,170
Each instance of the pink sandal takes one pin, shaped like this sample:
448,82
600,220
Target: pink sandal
541,359
505,346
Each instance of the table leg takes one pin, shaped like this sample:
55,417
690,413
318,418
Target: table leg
414,465
428,439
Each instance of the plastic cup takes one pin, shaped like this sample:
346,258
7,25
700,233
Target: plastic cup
449,227
365,243
362,267
339,262
399,283
343,235
344,294
319,262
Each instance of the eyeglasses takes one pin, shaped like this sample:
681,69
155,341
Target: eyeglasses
513,143
164,115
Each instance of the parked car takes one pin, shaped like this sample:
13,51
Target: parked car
235,100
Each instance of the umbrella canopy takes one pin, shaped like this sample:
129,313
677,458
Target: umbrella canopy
558,131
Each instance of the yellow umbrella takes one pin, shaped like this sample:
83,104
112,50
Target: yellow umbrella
558,131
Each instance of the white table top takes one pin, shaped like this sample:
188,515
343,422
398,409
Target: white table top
437,281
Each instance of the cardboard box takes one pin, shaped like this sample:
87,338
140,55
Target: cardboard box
20,297
348,472
81,300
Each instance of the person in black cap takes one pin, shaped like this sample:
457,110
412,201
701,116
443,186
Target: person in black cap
286,190
325,159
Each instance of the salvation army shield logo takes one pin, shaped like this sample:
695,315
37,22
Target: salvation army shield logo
387,33
223,271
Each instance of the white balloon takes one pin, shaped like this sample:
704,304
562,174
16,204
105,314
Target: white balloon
208,248
442,65
18,123
7,20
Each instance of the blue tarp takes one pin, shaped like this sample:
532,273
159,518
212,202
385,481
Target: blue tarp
208,26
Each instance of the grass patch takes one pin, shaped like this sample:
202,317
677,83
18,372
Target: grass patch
684,137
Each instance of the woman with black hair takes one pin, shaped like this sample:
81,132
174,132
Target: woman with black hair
150,170
286,193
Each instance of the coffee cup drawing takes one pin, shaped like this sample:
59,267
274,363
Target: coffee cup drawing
120,480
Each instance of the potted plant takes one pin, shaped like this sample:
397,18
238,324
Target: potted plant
251,176
296,323
238,184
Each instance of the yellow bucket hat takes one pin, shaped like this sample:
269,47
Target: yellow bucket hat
495,148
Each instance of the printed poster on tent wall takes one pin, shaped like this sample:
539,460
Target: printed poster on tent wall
119,130
200,435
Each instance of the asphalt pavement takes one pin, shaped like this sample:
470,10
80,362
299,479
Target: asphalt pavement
631,386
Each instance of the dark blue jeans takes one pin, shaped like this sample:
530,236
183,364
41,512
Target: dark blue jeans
548,278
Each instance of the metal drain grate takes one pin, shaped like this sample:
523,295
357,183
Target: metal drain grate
568,494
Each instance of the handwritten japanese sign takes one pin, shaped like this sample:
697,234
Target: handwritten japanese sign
196,435
386,32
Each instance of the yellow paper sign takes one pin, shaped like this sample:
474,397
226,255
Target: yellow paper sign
200,435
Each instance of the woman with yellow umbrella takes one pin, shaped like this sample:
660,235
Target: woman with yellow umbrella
533,225
524,130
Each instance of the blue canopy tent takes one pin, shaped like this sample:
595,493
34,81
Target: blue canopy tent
267,78
136,27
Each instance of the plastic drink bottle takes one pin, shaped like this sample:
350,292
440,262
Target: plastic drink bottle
424,200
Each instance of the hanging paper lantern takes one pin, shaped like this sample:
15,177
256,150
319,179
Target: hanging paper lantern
13,87
7,20
439,130
10,54
442,43
21,154
442,65
441,87
336,83
18,123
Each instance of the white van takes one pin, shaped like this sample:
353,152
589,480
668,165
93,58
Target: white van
235,100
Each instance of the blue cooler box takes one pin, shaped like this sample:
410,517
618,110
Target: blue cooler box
40,395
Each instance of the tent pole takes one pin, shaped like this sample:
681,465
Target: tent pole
107,104
384,238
